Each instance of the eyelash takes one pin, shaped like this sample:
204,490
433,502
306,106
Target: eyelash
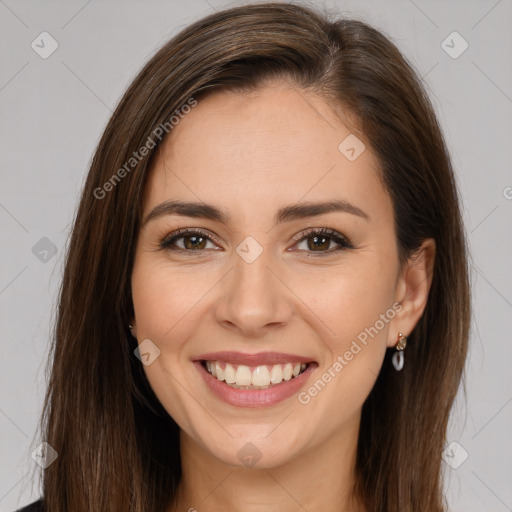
336,237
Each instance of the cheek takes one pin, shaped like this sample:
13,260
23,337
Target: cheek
347,302
357,307
357,315
164,300
163,297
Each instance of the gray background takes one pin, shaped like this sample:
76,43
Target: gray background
54,110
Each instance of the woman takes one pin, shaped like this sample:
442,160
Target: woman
265,301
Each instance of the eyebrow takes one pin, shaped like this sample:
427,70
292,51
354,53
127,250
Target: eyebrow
285,214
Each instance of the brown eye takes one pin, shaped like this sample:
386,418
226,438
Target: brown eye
319,241
193,240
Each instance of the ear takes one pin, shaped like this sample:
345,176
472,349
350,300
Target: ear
412,288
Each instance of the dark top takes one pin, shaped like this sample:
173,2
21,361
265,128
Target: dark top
37,506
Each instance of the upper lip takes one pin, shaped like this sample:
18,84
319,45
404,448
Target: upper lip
259,359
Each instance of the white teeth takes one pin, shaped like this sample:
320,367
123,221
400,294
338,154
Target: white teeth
276,374
210,366
229,374
243,376
219,372
255,377
261,376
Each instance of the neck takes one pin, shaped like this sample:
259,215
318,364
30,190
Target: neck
318,478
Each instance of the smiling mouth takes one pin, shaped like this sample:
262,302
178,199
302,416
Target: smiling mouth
239,376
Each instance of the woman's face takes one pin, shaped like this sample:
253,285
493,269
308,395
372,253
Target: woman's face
256,292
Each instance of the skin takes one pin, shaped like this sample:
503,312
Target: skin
226,152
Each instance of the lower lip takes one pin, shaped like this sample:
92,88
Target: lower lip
255,397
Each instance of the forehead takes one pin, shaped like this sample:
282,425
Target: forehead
259,150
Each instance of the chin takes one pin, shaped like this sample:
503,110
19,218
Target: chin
259,446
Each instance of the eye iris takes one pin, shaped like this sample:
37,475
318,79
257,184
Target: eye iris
194,245
316,238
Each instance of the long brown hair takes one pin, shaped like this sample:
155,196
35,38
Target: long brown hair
118,448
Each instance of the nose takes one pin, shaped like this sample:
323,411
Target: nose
254,298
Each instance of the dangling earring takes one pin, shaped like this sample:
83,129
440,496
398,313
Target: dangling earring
130,326
398,357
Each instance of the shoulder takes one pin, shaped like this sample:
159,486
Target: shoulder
37,506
